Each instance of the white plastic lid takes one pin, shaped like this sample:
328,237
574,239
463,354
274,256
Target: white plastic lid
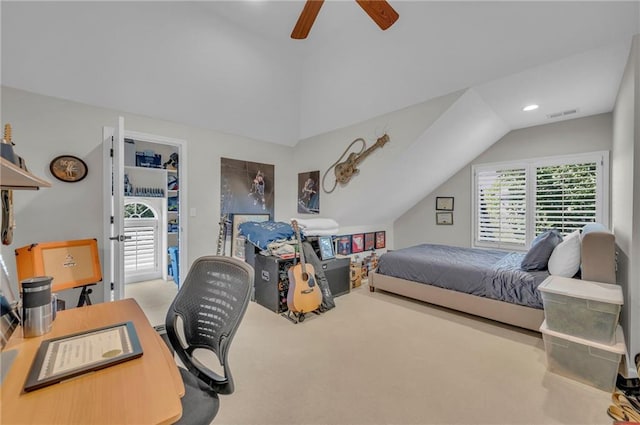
585,289
618,348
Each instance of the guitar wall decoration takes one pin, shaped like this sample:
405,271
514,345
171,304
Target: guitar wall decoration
344,171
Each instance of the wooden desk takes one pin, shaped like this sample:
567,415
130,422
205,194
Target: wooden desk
145,390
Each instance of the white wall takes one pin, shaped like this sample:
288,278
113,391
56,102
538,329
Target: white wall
173,60
346,204
625,197
573,136
44,127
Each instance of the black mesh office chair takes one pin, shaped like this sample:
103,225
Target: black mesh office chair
205,315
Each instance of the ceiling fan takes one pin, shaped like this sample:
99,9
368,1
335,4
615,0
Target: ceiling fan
379,10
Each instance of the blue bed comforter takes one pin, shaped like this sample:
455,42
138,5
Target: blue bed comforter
485,273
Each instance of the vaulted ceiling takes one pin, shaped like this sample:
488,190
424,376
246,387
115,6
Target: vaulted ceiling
231,66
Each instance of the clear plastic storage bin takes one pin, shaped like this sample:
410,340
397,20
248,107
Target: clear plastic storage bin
582,308
582,360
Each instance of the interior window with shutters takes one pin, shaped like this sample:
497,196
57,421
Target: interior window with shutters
514,202
141,243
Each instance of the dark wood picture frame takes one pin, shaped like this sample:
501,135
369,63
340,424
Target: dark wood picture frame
444,203
444,218
381,239
68,168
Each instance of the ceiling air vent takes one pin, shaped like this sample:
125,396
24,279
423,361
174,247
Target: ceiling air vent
562,114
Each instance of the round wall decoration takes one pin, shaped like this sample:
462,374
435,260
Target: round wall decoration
68,168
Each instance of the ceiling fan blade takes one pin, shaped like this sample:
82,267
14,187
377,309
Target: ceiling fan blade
380,11
305,21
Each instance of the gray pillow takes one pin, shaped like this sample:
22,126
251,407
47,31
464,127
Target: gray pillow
541,249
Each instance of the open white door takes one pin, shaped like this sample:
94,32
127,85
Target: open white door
113,154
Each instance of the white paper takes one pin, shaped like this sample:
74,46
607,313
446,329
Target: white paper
84,350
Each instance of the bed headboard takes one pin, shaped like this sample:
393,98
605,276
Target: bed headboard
598,252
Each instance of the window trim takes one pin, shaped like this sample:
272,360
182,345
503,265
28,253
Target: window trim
530,165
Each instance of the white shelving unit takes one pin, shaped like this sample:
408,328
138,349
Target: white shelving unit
173,193
173,216
147,178
146,183
149,182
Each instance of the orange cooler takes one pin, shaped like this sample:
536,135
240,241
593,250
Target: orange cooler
70,263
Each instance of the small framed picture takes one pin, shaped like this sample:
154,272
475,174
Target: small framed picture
326,247
68,168
444,218
357,243
444,203
381,239
369,241
343,244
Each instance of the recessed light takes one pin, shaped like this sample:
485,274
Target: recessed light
530,108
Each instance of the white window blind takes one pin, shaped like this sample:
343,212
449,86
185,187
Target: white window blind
501,206
140,246
566,196
514,202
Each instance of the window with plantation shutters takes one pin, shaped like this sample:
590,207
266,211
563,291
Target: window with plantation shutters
141,245
501,206
140,253
566,196
514,202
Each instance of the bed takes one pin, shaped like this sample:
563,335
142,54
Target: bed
485,283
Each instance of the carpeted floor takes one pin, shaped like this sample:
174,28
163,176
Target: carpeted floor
382,359
154,296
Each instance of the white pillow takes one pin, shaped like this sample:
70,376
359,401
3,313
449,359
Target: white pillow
565,258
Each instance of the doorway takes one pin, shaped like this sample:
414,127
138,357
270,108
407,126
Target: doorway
143,244
145,203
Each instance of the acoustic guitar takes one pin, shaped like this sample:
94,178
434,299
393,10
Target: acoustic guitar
304,294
